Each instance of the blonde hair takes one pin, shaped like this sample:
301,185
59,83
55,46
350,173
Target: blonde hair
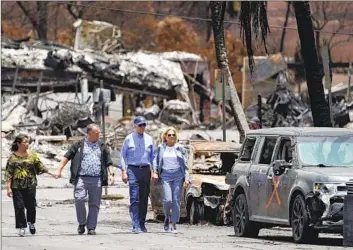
165,132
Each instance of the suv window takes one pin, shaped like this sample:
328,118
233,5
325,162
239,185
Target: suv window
248,149
267,150
284,151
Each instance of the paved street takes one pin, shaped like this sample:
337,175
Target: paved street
56,226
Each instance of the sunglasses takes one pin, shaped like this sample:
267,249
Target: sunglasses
170,135
142,125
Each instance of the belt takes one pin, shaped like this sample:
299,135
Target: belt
139,166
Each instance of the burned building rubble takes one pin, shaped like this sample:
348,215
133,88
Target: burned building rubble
33,76
153,74
283,108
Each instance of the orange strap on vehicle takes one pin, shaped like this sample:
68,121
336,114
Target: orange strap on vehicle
275,192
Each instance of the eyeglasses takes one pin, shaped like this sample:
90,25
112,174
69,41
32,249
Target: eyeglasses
170,135
142,125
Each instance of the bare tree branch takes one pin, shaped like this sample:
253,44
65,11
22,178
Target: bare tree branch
191,9
27,14
73,10
209,24
72,13
334,44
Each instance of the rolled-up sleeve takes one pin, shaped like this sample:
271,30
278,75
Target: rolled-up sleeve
185,157
151,156
123,155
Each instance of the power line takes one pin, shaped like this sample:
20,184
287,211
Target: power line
187,17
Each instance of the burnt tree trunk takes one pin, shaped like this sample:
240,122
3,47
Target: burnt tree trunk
38,19
313,71
218,10
42,24
284,27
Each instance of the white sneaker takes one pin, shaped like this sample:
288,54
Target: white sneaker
173,229
22,232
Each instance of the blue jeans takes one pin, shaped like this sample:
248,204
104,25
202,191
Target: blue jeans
139,189
172,191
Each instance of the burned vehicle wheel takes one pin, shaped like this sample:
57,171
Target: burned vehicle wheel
159,217
243,227
193,211
302,233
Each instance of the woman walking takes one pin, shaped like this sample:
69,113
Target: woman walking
20,175
170,166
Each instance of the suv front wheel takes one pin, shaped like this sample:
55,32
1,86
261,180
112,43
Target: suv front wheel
302,233
243,227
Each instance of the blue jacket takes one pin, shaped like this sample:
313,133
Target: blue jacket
181,156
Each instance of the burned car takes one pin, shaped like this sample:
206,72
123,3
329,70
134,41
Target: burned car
204,199
291,177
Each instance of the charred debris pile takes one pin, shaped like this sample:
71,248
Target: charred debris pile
61,120
285,109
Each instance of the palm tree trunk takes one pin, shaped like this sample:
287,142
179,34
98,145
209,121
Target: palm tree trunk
285,26
314,74
218,10
42,27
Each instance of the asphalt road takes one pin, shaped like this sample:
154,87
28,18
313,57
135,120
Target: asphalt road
56,230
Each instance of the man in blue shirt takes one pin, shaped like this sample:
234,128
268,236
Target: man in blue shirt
136,163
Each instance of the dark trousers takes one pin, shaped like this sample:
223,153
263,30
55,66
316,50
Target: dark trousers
139,189
24,198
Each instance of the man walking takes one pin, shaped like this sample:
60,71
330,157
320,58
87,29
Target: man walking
136,162
90,163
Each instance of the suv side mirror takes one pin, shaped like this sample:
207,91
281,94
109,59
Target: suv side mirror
279,166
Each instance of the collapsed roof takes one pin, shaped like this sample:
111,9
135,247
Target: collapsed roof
142,71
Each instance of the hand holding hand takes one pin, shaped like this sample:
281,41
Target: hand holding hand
154,177
186,183
9,192
124,177
58,174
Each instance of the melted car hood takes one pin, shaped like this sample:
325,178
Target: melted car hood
333,173
217,180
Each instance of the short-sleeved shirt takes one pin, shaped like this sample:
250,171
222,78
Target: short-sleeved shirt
22,170
91,160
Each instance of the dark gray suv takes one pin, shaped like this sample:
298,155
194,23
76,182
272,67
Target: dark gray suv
291,177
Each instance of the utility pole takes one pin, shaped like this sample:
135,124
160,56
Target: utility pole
224,103
84,88
102,102
349,94
259,108
39,84
328,82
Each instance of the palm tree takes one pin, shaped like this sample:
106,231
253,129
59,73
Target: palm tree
218,10
253,18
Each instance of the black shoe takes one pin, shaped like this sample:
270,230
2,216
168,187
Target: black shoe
81,229
143,228
32,228
91,231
